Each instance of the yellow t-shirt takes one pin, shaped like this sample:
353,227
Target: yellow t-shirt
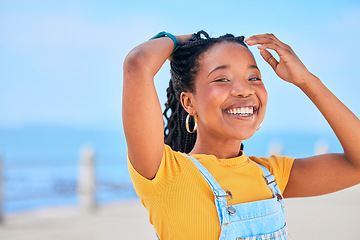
180,202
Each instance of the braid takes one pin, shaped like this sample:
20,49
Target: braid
175,133
184,67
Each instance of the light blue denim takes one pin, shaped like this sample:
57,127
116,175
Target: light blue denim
259,220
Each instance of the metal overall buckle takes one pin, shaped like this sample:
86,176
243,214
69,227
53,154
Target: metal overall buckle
231,211
277,195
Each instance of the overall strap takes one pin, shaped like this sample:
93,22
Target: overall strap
271,182
214,185
218,191
223,195
220,194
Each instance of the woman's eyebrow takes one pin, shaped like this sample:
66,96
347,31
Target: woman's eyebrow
218,68
254,66
227,66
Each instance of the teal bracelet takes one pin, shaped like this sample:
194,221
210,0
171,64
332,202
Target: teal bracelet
166,34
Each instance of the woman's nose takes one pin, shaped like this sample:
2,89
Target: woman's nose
242,89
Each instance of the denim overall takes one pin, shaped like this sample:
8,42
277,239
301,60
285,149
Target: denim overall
257,220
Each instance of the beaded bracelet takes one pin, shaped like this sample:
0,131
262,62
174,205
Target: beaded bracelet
166,34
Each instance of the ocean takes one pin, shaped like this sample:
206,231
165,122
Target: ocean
40,164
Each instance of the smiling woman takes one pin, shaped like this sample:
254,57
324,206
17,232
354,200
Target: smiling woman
195,181
184,63
222,91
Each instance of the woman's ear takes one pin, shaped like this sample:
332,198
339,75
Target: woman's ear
188,103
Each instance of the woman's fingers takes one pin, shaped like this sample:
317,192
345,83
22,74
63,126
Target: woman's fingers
269,41
264,38
289,67
280,50
269,58
267,35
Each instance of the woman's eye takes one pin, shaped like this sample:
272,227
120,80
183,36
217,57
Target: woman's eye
222,80
255,79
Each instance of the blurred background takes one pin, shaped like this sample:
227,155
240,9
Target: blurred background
61,86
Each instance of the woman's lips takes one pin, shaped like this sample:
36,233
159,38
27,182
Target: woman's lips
243,112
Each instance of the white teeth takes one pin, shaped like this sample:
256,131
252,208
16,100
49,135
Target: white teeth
241,111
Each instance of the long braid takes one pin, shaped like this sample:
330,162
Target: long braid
184,67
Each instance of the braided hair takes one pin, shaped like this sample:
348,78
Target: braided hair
184,67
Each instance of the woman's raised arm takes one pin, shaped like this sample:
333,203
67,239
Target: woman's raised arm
141,111
324,173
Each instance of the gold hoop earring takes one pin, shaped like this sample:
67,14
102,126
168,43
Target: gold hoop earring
259,127
187,124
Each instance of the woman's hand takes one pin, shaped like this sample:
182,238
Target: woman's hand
289,68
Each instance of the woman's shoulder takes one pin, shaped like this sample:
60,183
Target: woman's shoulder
275,164
272,160
279,166
172,164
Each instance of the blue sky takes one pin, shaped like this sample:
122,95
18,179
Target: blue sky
61,61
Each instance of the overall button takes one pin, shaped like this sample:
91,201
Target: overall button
231,211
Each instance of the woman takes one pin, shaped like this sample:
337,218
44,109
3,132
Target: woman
200,185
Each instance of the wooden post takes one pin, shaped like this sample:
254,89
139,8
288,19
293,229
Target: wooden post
275,148
1,192
321,147
87,181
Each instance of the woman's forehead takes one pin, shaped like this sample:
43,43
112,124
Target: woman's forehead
226,53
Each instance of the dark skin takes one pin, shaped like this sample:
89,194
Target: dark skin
225,83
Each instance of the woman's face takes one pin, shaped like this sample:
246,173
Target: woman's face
230,98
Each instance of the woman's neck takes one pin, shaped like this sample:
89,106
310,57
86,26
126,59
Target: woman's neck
222,149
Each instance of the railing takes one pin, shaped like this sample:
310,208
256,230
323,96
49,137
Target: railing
85,183
82,183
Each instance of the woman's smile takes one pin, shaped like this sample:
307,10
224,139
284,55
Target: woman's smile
241,112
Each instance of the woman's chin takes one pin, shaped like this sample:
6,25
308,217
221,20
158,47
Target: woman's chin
245,135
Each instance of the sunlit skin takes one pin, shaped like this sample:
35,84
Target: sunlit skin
228,78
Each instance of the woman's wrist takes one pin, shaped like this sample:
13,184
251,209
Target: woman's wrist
182,38
175,39
312,87
169,35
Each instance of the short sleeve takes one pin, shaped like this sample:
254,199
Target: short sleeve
279,166
171,165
